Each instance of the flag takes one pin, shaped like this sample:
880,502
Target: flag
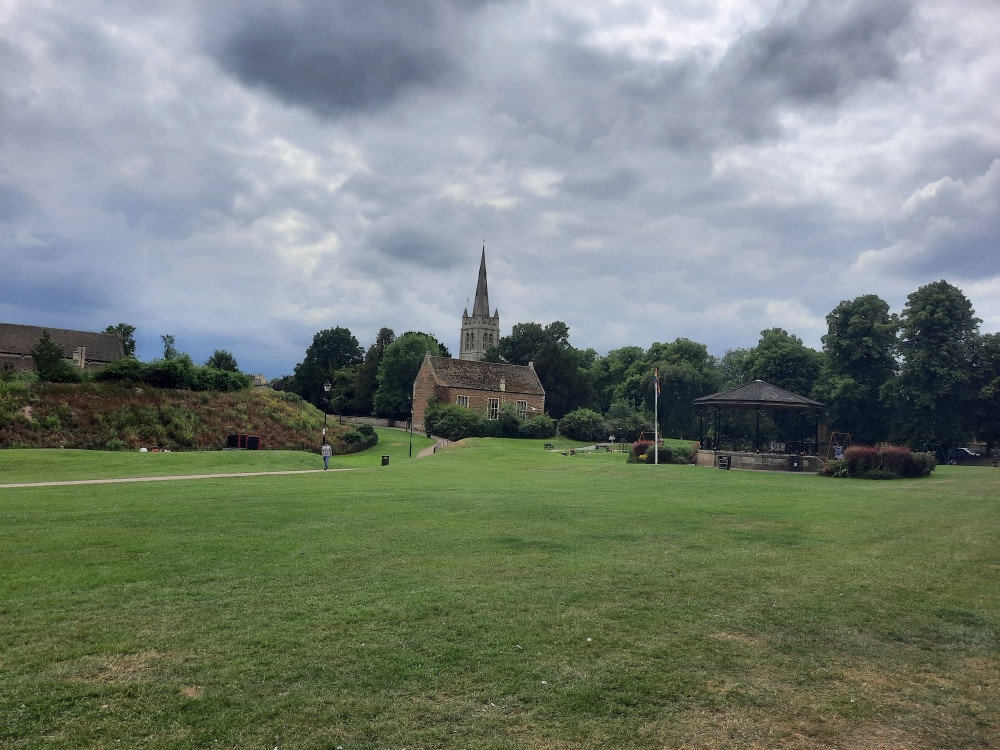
656,378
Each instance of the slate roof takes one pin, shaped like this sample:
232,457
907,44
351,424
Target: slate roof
19,339
758,394
485,376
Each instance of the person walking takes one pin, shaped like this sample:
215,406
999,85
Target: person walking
327,451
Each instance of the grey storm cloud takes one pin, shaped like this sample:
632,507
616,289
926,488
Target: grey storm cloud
338,58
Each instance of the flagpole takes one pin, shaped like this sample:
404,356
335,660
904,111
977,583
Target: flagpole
656,420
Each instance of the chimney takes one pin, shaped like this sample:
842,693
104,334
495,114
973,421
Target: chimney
531,365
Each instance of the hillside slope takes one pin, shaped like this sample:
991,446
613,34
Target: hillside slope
121,417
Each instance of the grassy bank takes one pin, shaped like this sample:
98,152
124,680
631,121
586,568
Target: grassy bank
498,595
116,416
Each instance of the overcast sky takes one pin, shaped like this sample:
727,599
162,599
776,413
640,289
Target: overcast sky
244,174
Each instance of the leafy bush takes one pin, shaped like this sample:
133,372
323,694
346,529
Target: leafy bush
861,458
639,447
169,373
889,462
127,369
115,445
542,426
644,452
584,425
359,438
456,422
452,421
179,373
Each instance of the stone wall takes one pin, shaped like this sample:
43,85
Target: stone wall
766,461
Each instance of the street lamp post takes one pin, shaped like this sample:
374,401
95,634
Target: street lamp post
326,400
409,427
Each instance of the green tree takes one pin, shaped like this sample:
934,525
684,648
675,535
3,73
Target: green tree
331,350
362,400
782,359
125,333
49,363
523,344
399,367
935,390
986,410
860,351
169,350
222,360
734,369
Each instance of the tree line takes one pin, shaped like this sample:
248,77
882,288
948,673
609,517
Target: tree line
924,376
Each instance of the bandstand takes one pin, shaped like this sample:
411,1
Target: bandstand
791,452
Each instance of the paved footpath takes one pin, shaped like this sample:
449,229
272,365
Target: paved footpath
167,479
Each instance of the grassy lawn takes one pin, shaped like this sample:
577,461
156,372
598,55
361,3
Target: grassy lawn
49,465
498,595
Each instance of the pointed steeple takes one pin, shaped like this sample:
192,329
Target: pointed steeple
481,308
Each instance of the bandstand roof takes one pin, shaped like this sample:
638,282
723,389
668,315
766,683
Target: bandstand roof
758,395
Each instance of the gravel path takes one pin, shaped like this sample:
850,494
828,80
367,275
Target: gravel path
165,479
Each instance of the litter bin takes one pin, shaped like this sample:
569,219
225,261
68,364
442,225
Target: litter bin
795,463
725,462
385,460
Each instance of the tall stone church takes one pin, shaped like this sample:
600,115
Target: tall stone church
480,331
469,381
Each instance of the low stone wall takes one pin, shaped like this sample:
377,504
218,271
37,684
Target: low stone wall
378,422
761,461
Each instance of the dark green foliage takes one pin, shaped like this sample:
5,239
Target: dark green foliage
49,363
331,350
456,422
169,349
126,369
399,367
366,382
180,373
542,426
626,423
361,437
986,405
584,425
452,421
934,395
782,359
126,333
557,363
222,360
860,350
734,369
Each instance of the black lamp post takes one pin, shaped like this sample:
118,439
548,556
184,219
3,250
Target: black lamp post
326,400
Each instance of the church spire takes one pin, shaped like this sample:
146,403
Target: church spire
481,308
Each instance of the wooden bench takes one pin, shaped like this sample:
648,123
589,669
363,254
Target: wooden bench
549,446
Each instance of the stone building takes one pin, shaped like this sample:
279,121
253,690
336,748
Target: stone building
480,330
470,382
85,349
483,386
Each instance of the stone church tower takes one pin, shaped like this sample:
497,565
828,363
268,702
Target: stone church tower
479,330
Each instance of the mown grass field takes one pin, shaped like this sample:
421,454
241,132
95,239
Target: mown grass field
36,465
497,595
